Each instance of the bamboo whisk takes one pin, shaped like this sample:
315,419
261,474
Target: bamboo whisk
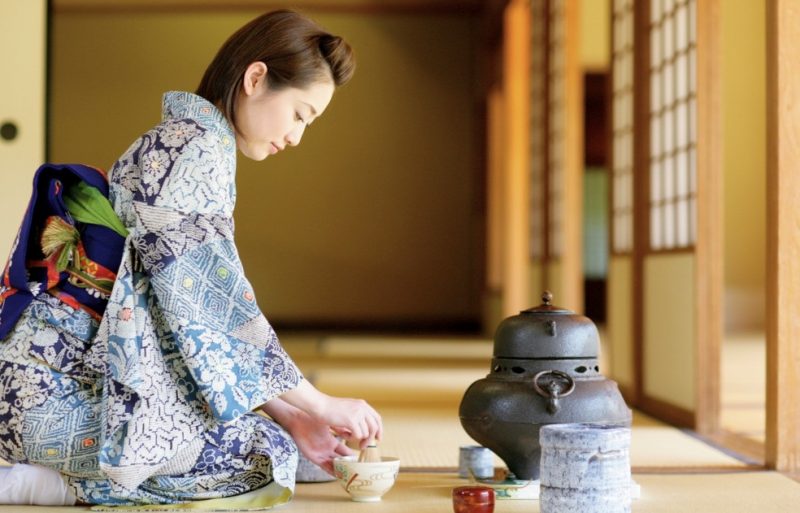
370,453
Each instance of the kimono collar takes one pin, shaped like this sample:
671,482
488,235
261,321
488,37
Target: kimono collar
183,105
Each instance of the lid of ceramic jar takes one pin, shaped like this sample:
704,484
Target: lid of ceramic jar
546,331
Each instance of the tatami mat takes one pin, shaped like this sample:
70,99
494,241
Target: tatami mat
461,349
430,438
417,388
762,492
744,384
419,406
419,402
385,385
737,492
332,352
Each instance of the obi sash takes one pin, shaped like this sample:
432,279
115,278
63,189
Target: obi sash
69,244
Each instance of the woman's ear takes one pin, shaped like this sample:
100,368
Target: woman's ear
255,76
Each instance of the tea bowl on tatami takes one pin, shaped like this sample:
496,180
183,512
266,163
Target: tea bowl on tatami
366,481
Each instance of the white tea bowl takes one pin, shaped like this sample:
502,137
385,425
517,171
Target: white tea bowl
366,481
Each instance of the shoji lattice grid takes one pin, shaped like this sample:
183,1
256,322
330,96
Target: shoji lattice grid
538,126
556,131
622,132
673,123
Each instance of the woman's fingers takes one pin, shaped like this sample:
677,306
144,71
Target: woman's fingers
375,426
365,428
372,427
342,431
353,419
327,466
342,450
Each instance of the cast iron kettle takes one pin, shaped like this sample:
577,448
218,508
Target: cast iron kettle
544,371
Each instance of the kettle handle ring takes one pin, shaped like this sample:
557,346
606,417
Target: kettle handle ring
552,393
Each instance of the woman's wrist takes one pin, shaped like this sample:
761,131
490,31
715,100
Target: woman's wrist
283,413
307,398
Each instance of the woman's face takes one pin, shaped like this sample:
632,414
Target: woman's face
267,121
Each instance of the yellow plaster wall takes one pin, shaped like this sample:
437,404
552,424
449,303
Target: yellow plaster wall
492,311
744,160
595,34
373,218
22,92
669,329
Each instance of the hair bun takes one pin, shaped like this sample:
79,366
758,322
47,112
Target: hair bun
340,57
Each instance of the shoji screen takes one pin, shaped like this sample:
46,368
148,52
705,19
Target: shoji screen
622,128
671,295
673,121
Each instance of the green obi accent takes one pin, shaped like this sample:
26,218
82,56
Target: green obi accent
88,205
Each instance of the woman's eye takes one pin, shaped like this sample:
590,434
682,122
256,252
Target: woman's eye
298,117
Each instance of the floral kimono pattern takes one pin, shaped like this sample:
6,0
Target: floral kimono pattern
153,403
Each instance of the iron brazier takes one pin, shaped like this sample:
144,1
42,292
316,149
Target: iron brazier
544,371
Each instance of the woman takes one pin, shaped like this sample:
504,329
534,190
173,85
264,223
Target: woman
149,397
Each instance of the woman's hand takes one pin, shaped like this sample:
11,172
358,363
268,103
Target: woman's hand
317,442
353,419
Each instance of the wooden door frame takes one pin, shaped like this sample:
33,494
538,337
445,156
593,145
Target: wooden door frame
710,281
641,157
783,237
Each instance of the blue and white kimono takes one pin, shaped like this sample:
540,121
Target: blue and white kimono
153,403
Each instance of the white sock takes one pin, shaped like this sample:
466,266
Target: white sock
34,485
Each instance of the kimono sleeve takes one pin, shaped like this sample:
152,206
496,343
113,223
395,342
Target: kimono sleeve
184,241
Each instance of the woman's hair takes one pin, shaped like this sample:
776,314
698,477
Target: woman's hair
296,50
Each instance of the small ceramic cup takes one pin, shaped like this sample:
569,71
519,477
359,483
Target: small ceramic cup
366,481
475,461
473,499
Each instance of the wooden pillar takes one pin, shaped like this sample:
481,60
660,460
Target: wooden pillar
516,162
709,246
572,214
783,236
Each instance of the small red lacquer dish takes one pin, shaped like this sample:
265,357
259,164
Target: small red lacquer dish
473,499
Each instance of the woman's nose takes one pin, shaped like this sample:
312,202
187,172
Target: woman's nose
293,137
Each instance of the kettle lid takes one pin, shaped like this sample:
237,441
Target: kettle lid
546,332
547,306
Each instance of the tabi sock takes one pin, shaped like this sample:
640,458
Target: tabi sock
34,485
